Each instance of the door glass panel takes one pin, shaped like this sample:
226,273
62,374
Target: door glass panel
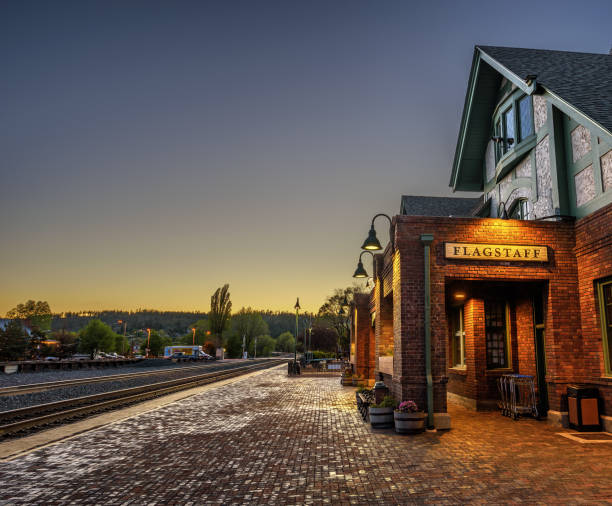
496,335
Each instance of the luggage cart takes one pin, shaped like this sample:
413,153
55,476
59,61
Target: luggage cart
517,392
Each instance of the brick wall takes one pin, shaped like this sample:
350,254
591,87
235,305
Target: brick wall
559,276
594,256
363,335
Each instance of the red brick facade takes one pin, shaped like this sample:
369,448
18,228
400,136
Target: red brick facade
580,253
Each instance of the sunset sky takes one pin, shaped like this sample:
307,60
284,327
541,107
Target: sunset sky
153,151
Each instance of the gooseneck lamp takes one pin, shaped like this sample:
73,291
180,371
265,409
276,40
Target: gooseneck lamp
372,243
360,272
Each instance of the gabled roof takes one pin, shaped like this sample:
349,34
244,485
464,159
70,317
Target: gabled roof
413,205
580,80
584,80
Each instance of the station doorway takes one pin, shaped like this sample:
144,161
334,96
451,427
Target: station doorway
494,329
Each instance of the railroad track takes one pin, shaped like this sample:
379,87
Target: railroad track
34,417
50,385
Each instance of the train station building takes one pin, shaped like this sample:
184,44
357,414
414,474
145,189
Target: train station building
519,280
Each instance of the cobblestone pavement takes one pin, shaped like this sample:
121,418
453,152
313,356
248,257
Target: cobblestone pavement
277,440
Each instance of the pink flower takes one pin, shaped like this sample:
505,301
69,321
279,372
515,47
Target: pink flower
408,407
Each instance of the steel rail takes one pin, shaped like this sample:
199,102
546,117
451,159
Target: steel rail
70,408
50,385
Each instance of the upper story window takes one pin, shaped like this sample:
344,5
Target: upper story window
525,117
512,125
509,137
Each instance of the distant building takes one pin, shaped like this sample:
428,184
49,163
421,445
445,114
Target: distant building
530,293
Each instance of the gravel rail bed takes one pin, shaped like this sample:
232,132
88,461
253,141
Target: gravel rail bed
28,378
58,394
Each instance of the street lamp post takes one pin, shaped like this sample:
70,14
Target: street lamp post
148,341
193,340
124,332
297,314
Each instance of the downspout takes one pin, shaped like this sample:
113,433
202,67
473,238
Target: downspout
426,239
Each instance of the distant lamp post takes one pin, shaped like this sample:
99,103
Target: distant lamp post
372,243
124,322
193,329
297,314
148,341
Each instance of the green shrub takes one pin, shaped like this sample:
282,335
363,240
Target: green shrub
387,402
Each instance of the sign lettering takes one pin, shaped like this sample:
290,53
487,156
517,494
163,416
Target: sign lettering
501,252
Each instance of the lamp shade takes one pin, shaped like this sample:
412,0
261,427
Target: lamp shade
372,242
360,272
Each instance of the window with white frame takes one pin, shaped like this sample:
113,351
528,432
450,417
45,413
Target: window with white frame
458,338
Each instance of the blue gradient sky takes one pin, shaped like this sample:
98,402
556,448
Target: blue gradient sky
152,151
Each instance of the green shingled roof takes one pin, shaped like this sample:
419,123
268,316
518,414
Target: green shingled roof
583,81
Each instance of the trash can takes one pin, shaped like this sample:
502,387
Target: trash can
583,408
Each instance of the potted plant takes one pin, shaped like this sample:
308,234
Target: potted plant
408,419
347,377
381,415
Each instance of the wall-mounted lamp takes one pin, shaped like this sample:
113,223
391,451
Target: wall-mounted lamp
459,295
360,272
372,243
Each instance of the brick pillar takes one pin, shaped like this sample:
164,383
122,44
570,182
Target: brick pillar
475,351
362,336
409,382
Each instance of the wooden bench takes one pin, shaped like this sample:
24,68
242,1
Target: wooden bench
364,399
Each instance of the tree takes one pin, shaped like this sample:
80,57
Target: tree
13,341
35,314
159,340
67,343
202,334
233,344
265,346
330,312
209,347
96,336
248,324
220,312
285,342
121,344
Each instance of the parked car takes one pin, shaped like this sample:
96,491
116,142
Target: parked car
51,359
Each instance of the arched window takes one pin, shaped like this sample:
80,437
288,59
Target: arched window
520,210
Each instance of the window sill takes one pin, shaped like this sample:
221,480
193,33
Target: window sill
503,370
462,371
513,157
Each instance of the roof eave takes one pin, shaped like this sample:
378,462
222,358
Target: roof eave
464,118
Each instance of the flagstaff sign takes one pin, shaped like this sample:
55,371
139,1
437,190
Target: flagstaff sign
501,252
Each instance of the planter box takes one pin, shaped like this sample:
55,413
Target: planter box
347,382
381,418
409,423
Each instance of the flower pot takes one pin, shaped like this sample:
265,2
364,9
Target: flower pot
409,423
381,417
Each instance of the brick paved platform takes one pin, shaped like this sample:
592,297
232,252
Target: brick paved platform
272,439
